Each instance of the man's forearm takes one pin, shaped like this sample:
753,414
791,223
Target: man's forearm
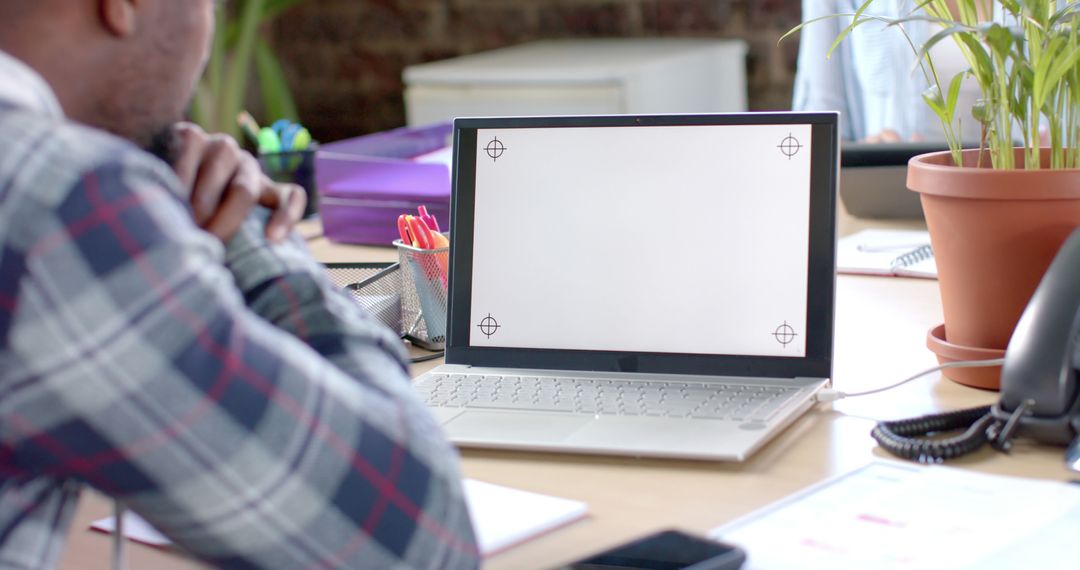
283,284
162,387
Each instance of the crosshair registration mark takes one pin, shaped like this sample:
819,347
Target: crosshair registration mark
488,325
784,334
495,149
790,146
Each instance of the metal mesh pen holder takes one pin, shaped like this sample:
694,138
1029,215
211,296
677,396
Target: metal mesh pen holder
423,294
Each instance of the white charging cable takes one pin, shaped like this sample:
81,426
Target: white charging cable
830,395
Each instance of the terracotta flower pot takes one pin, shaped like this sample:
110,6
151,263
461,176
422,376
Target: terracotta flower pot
994,232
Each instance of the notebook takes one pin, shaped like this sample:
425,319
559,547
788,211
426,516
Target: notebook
638,285
901,253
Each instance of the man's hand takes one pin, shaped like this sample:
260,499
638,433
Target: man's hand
885,136
226,183
890,136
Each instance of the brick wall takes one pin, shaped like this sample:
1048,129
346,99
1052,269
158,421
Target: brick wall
344,57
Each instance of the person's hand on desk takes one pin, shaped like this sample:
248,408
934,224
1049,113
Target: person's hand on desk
226,182
889,136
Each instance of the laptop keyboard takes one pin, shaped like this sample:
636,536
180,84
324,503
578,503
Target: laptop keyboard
614,397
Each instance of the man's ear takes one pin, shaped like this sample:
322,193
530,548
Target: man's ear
118,16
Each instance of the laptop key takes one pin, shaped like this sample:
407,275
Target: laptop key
704,392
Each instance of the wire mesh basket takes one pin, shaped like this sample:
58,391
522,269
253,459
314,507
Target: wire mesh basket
345,274
385,291
376,286
423,284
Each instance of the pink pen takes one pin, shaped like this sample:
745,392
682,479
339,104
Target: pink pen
430,220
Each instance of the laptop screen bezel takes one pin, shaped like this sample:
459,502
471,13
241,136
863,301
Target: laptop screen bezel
821,277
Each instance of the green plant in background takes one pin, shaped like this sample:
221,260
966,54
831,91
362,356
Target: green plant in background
1026,60
238,50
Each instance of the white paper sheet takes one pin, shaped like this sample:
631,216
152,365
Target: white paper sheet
501,516
135,527
504,517
890,516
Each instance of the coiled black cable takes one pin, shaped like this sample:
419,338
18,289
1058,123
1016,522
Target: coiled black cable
899,437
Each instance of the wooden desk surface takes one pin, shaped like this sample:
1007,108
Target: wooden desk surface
881,325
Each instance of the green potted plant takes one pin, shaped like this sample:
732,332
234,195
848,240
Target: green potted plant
996,213
239,50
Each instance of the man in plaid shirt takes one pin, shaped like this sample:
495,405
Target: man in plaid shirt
166,345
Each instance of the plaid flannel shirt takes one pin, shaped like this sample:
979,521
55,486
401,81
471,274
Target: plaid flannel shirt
229,395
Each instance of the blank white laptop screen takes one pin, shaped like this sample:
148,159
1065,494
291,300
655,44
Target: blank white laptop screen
646,285
660,239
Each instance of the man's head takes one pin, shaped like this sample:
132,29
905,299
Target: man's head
126,66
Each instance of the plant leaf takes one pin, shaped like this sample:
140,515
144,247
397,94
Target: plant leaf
275,7
999,38
201,103
954,94
798,28
1012,6
856,20
235,86
1061,65
936,38
277,99
932,96
1069,12
983,66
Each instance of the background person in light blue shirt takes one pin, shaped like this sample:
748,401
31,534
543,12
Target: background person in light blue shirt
872,78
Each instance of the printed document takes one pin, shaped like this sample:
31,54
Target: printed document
892,516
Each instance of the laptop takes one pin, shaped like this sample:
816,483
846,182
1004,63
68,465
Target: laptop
656,286
873,179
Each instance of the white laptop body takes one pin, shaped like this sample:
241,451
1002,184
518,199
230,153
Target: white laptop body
638,285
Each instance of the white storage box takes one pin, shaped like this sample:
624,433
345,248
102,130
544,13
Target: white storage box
576,77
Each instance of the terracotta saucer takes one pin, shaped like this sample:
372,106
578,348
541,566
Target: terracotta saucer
987,377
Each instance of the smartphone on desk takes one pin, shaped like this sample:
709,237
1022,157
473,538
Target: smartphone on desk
665,550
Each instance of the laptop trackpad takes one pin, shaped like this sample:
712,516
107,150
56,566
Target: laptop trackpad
513,427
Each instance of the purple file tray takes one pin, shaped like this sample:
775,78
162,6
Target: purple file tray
366,182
